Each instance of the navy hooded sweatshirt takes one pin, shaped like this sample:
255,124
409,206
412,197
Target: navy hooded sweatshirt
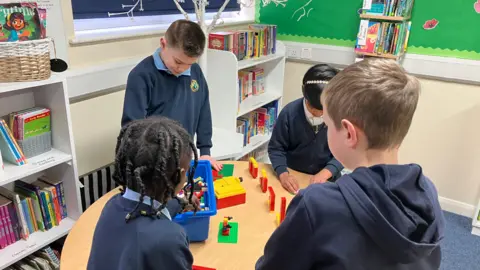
295,145
153,90
143,243
381,217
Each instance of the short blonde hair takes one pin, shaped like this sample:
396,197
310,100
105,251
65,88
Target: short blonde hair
377,96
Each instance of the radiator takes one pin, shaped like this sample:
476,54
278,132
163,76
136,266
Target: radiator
96,184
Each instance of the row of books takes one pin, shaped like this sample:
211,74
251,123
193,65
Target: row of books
258,122
258,40
44,259
382,37
19,139
22,21
402,8
251,82
30,208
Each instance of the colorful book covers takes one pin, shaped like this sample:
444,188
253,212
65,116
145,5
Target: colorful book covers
21,22
258,40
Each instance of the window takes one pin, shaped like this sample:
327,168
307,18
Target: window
92,9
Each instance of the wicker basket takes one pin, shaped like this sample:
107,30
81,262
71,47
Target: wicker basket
25,60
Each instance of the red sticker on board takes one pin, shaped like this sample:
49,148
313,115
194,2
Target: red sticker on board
431,24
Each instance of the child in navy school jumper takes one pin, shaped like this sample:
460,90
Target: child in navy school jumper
135,229
384,215
299,138
170,83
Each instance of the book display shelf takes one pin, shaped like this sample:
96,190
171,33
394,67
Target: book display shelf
58,164
227,105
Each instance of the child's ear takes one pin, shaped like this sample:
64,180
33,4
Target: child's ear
350,133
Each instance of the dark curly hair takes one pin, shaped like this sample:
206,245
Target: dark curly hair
147,159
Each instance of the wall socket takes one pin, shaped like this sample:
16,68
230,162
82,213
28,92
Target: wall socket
293,52
307,53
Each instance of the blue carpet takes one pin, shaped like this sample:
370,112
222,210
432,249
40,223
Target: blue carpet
460,248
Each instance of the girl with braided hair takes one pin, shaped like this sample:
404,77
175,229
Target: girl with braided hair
135,229
299,138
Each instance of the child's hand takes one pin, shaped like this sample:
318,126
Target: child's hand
215,164
289,182
194,206
321,177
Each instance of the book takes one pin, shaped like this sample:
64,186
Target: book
9,147
20,22
60,193
382,37
15,198
258,122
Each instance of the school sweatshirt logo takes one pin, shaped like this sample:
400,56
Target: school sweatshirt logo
194,86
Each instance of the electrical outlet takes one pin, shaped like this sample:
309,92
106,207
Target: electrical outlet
307,53
293,52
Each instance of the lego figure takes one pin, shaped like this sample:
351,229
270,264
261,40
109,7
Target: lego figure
226,227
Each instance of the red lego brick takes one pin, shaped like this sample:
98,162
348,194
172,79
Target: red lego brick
271,199
195,267
231,201
216,175
264,184
283,208
253,167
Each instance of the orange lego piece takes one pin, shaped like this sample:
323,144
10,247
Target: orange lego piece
271,199
253,167
264,181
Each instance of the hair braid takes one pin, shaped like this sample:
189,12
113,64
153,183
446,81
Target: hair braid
148,160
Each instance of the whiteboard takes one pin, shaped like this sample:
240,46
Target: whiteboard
55,25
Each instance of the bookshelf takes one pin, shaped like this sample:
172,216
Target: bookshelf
223,68
57,164
384,29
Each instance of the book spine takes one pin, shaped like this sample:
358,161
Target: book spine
27,218
3,235
6,224
22,156
17,230
17,159
56,204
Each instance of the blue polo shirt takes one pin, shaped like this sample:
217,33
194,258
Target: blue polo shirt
153,90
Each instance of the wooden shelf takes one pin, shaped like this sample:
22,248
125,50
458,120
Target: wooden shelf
255,142
382,55
384,18
254,102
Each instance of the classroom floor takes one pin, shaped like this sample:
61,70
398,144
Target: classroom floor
460,248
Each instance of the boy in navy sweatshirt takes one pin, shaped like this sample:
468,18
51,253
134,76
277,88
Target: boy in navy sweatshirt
384,215
299,138
135,229
170,83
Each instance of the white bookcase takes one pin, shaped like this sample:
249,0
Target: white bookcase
59,163
223,68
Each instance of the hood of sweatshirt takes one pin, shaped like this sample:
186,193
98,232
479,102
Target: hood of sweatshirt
397,206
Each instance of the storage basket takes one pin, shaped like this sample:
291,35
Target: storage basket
25,60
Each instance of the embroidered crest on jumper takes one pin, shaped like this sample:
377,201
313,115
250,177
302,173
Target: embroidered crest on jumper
194,85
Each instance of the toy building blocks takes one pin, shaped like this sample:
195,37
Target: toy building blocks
230,234
253,167
226,227
264,181
271,199
216,175
283,209
196,267
229,192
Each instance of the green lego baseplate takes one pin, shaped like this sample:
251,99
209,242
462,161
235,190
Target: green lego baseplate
232,238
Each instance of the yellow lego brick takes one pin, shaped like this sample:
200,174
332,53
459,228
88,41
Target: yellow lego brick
227,187
254,162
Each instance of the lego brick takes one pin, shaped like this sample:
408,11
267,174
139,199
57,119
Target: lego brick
232,238
283,208
196,267
264,181
253,167
231,201
271,199
227,170
228,186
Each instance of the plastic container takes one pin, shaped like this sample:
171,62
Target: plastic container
197,226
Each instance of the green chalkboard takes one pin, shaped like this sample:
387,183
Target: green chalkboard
330,22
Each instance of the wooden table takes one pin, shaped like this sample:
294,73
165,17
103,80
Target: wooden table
256,224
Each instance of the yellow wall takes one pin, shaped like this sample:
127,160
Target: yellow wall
443,137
